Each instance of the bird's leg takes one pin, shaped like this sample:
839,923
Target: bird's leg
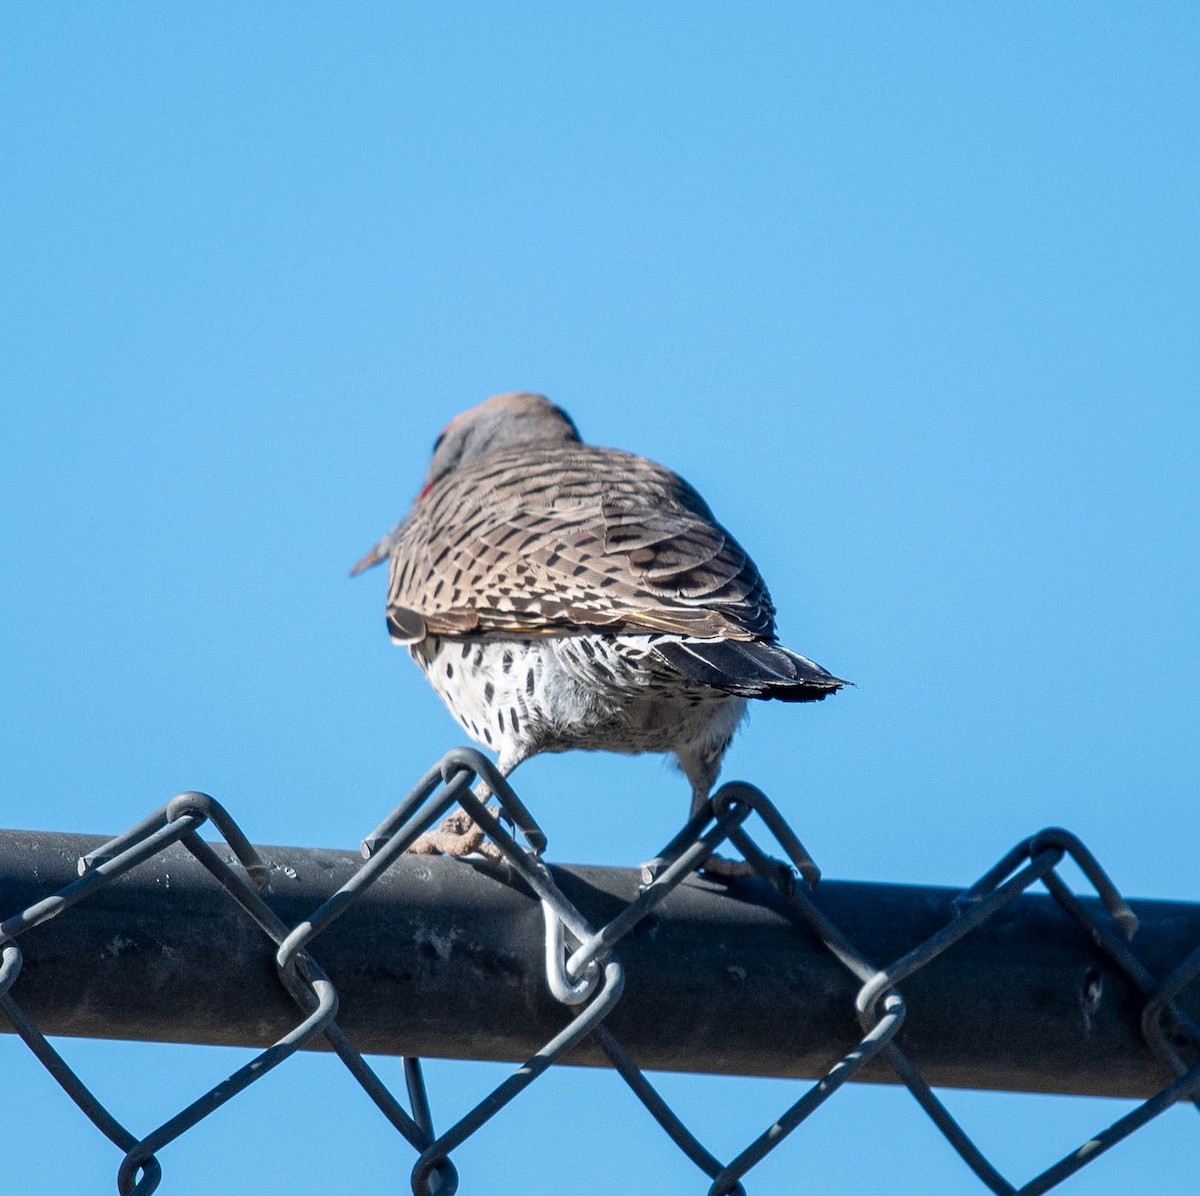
701,768
458,834
717,867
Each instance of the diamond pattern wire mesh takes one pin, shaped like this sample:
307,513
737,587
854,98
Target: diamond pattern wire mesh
584,973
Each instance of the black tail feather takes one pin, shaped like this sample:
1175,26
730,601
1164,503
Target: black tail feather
750,669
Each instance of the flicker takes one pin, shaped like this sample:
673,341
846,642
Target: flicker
558,595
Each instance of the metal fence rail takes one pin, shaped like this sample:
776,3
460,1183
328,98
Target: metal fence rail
411,952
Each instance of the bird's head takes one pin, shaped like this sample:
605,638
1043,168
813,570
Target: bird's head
502,421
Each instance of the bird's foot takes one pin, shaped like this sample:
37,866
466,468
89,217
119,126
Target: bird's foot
717,867
457,836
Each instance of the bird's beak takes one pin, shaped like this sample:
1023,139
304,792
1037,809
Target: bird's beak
377,554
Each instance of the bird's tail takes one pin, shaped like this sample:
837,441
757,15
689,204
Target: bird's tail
749,668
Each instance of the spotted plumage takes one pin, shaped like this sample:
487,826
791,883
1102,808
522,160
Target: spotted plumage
559,596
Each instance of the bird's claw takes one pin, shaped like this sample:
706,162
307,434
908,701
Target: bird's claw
457,836
717,867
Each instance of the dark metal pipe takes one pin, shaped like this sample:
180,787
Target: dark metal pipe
441,958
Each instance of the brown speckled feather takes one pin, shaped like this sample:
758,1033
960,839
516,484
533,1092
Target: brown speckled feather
556,539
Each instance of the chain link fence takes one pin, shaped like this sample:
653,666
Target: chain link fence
585,976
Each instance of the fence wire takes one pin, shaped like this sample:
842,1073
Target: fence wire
584,973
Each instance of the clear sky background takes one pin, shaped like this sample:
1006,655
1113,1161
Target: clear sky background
909,293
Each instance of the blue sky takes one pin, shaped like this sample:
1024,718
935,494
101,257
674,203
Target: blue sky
909,294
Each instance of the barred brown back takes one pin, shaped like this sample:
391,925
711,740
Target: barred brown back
554,540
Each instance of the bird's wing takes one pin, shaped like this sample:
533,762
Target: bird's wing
597,540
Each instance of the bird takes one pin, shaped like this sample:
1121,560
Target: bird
561,596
